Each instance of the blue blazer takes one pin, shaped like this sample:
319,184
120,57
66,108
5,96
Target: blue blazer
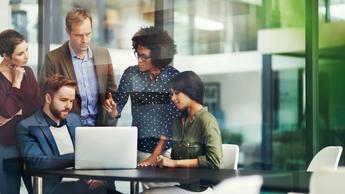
38,147
37,144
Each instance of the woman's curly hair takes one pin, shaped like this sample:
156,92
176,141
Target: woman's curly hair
162,46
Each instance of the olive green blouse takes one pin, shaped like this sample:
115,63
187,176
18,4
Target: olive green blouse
201,139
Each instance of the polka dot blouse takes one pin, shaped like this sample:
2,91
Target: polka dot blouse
152,109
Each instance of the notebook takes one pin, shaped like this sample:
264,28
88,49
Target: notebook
105,147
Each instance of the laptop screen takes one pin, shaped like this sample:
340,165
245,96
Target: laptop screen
106,147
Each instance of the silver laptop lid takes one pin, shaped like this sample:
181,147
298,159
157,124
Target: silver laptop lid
105,147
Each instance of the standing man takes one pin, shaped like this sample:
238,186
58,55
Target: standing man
88,65
46,139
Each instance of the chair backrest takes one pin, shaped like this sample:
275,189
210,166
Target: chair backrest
240,185
230,156
327,158
327,182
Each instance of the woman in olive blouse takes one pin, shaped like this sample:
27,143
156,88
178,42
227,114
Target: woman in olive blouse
196,136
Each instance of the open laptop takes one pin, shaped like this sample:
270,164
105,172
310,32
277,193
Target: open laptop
105,147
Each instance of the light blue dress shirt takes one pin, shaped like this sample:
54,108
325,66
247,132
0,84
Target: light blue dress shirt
88,86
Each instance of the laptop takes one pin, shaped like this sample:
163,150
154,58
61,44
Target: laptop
105,147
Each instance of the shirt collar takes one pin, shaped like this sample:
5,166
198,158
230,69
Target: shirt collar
162,71
51,122
74,55
197,114
201,111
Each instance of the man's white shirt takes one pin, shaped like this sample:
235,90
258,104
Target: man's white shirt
64,144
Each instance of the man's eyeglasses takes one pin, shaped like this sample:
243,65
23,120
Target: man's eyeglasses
141,57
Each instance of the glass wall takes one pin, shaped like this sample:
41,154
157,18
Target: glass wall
218,40
331,71
24,18
250,54
254,86
114,22
22,15
215,26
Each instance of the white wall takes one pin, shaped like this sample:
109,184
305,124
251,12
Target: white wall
5,14
241,102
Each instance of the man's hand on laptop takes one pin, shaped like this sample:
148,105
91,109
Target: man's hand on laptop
94,184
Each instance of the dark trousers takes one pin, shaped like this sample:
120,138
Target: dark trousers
76,187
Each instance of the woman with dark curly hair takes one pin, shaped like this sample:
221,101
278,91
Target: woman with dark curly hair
19,98
147,85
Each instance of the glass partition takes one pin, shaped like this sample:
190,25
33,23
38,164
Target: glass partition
114,22
227,43
24,19
331,71
288,113
249,53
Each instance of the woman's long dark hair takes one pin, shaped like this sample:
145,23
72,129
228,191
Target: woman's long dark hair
190,84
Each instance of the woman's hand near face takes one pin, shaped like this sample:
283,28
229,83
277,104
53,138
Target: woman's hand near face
18,76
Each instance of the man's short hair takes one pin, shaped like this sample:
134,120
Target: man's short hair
53,83
75,16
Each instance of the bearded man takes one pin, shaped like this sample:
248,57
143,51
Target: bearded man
46,139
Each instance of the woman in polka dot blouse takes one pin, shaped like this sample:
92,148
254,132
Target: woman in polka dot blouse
147,84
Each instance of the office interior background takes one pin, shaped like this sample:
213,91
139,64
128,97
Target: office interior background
273,69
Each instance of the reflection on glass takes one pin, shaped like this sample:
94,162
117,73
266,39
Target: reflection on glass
331,70
214,38
24,19
221,41
289,130
114,22
208,26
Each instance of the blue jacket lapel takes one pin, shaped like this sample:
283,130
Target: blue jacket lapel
72,122
72,133
50,139
43,125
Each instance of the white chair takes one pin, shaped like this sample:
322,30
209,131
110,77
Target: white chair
230,156
327,158
327,182
240,185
